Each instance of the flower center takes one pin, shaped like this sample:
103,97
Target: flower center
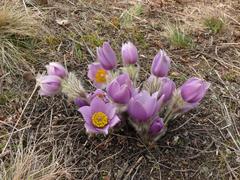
101,76
99,119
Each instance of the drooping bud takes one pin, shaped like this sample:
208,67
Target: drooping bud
194,89
49,85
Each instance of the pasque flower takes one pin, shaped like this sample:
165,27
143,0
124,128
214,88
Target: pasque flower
142,106
49,85
55,68
167,88
193,90
129,53
120,90
97,74
107,56
156,126
161,64
99,93
99,116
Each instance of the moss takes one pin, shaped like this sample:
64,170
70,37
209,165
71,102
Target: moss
214,24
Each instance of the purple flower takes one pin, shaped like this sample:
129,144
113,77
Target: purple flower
99,116
99,93
161,64
120,89
49,85
80,102
156,126
167,89
129,53
193,90
97,74
142,106
107,56
55,68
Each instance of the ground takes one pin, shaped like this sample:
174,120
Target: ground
202,144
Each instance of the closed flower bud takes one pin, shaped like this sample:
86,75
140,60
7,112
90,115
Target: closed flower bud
49,85
156,126
55,68
167,89
193,90
129,53
107,56
120,89
142,106
161,64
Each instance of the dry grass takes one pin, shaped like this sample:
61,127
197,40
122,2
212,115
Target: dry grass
32,163
18,28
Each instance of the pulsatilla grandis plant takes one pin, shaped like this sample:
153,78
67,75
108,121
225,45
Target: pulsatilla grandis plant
149,106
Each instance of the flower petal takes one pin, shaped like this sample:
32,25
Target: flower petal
114,121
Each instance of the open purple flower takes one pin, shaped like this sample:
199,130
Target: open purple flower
161,64
120,90
142,106
156,126
49,85
107,56
167,88
99,116
99,93
55,68
194,89
129,53
97,74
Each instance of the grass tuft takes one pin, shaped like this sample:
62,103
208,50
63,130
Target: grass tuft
31,163
178,38
214,24
128,15
18,29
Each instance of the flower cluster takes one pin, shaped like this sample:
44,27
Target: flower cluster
149,105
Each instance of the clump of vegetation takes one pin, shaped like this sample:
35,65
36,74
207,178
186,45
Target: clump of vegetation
17,29
31,163
92,39
178,38
128,15
214,24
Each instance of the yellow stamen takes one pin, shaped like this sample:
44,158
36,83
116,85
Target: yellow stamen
100,76
99,119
